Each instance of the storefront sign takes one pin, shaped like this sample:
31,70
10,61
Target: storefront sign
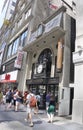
9,77
54,22
18,61
43,81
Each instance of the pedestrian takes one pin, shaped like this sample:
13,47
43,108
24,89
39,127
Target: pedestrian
38,97
4,97
51,109
47,100
9,98
31,103
1,96
18,100
25,96
14,98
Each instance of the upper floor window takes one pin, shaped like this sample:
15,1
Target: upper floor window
22,6
15,46
13,3
45,56
6,33
19,22
11,11
13,30
28,13
9,51
23,37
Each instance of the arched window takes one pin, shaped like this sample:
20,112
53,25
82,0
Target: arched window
45,56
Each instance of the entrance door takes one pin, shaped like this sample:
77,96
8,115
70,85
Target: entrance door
40,89
71,99
43,90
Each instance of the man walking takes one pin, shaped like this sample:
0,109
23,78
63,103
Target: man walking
31,104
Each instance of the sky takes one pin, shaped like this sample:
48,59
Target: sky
1,5
1,16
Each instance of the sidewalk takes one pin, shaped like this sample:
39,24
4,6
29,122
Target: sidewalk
40,122
58,120
59,123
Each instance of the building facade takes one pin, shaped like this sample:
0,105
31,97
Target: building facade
7,11
77,114
38,51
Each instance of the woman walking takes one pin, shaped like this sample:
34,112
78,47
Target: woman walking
51,109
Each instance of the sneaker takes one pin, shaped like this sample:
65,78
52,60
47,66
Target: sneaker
26,120
49,121
31,125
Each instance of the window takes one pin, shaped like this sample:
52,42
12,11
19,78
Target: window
45,56
9,51
11,11
22,6
13,30
19,22
13,3
28,13
6,33
40,30
15,46
23,38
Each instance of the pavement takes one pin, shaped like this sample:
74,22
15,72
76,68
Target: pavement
41,122
59,123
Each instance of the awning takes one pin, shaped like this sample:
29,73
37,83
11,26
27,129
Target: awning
10,77
7,81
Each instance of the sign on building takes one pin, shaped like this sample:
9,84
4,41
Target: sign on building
19,59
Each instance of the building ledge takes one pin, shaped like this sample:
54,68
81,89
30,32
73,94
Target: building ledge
51,36
78,56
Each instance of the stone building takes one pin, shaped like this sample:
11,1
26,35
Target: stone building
77,114
38,50
7,11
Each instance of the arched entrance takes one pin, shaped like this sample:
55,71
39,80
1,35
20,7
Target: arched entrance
41,80
46,58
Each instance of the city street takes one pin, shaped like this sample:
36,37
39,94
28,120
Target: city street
11,120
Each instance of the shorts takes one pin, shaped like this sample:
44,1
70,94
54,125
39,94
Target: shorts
51,109
14,102
8,100
29,110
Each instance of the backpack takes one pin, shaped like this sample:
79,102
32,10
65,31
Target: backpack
33,101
